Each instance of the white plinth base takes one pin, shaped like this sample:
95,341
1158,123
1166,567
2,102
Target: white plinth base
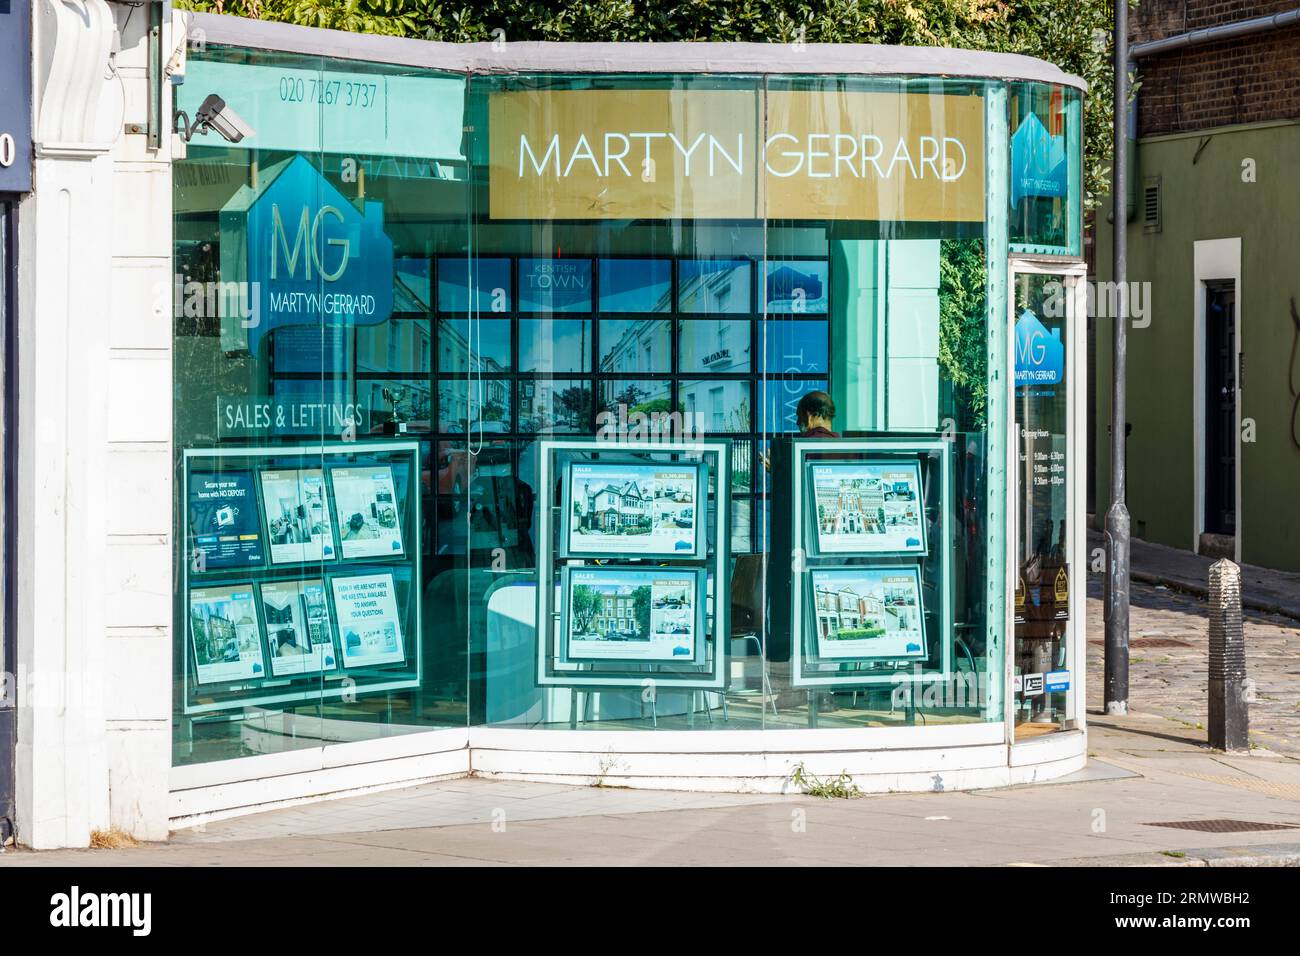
963,757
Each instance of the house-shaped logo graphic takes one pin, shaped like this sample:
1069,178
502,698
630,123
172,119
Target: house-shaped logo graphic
1040,354
1038,165
303,254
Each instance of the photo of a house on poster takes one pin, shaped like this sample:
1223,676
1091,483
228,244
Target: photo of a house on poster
866,613
224,634
633,509
867,508
370,628
629,614
298,522
298,627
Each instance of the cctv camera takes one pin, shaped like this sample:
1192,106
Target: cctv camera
216,113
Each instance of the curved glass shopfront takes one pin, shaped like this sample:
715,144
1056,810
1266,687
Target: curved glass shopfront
457,353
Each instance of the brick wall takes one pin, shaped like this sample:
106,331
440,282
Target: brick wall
1246,80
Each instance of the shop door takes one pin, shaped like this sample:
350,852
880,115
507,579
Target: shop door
1049,579
1220,409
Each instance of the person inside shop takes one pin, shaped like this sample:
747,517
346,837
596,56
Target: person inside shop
815,414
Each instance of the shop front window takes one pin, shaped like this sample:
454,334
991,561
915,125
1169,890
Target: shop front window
514,437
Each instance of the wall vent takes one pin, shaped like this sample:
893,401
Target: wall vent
1151,204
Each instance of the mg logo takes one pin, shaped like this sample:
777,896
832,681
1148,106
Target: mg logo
311,238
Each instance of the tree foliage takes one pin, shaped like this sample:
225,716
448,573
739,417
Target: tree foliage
1070,33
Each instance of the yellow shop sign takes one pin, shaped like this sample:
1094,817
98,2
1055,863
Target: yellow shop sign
713,154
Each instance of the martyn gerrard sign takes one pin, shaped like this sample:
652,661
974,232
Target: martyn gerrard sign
710,154
296,251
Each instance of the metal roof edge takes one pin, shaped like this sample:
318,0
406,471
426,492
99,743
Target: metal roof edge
841,59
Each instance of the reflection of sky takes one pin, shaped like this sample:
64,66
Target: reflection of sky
636,285
491,341
796,347
413,286
554,345
453,283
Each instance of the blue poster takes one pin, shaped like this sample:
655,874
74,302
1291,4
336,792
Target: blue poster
1040,353
296,251
1038,166
225,531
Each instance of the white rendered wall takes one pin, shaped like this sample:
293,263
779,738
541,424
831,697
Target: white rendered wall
94,468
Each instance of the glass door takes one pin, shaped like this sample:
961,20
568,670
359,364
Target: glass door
1050,576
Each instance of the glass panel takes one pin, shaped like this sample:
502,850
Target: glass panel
474,405
1043,666
716,405
491,285
554,345
716,286
1046,158
635,346
640,272
713,345
875,330
306,502
555,405
490,346
636,285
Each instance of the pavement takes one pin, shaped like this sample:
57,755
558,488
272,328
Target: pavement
1262,589
1153,794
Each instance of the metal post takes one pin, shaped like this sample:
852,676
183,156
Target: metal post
1229,721
1117,517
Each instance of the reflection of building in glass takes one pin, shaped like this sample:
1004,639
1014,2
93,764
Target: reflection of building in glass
714,287
455,354
458,402
614,508
844,609
394,346
546,405
643,346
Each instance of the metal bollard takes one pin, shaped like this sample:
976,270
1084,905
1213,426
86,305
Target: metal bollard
1229,723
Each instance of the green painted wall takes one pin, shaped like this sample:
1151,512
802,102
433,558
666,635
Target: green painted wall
1204,197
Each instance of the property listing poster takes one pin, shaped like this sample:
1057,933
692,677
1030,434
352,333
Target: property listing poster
632,615
297,627
370,630
366,504
225,530
226,638
864,613
297,516
633,509
868,507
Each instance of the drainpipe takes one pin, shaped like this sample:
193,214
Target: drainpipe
1117,517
